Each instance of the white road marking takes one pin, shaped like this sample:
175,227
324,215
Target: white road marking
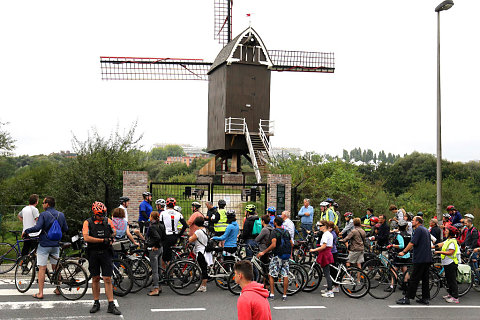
430,306
179,309
31,291
299,307
48,304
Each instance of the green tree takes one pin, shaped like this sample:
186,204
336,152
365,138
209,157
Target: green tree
171,150
7,143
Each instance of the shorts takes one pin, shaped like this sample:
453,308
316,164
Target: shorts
44,252
277,266
100,260
355,257
170,241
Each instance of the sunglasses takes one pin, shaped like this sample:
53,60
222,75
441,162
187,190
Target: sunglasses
321,225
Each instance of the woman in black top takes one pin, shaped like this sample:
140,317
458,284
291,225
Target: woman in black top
155,238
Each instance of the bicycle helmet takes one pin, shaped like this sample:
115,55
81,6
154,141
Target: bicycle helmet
410,215
124,199
195,204
161,202
420,213
348,215
330,200
459,225
324,204
452,230
178,209
469,215
374,219
335,205
250,208
231,214
222,203
146,194
271,210
446,215
99,208
171,202
450,208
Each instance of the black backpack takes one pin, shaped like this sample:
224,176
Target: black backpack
284,248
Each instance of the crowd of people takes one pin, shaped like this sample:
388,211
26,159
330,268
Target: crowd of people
269,236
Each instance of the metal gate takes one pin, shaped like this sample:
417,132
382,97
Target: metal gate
236,195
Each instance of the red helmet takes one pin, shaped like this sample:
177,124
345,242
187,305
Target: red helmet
452,230
348,215
449,208
171,202
374,219
99,208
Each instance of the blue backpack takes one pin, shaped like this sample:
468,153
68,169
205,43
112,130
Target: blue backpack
55,231
284,248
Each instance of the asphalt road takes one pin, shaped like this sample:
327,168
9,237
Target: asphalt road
219,304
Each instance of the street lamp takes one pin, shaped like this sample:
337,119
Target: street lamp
445,5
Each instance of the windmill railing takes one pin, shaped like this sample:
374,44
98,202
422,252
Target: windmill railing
268,127
235,125
252,155
265,141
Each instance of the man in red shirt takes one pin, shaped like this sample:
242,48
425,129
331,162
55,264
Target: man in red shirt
252,303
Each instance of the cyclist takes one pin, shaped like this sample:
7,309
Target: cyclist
46,247
121,226
221,224
230,236
200,239
329,213
144,211
29,216
449,254
196,213
373,221
212,216
325,257
356,245
456,216
366,223
247,234
446,222
348,224
160,204
124,202
170,218
271,212
264,240
155,238
401,239
98,232
306,214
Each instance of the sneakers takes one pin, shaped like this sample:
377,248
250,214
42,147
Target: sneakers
336,290
202,289
328,294
388,289
96,307
404,300
113,309
271,297
447,297
452,300
284,298
423,301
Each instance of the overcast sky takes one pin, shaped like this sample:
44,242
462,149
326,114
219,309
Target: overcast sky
382,95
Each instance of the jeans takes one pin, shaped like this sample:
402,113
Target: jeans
305,227
252,243
155,257
420,273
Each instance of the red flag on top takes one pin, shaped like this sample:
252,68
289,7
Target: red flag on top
248,14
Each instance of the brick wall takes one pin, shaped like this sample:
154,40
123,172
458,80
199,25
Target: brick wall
232,178
272,181
134,184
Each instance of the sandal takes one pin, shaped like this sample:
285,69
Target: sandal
57,292
36,296
154,293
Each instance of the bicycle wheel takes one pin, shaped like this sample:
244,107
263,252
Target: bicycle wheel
299,255
434,284
222,271
184,277
8,257
233,287
296,280
71,280
25,273
122,278
369,265
140,274
314,277
382,282
463,288
355,283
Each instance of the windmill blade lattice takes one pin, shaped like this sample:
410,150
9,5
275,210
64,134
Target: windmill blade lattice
129,68
302,61
223,21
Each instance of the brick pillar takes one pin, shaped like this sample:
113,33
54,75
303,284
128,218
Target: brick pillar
134,184
273,180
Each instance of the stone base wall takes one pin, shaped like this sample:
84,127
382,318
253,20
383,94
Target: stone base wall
134,184
272,181
232,178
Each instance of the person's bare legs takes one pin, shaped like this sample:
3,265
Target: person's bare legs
96,287
41,281
272,288
285,285
108,288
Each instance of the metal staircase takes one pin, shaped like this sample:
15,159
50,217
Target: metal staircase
258,145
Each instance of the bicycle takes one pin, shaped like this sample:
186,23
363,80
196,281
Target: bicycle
11,253
69,277
352,281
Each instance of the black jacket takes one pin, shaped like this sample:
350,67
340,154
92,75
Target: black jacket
156,235
437,233
383,233
248,227
472,238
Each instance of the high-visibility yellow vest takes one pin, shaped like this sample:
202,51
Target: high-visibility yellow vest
445,246
367,222
325,216
221,225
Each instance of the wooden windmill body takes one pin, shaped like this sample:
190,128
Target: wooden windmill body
238,93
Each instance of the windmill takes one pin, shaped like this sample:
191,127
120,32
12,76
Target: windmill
238,91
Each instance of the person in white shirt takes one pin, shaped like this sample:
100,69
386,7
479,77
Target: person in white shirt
288,224
124,201
29,216
170,219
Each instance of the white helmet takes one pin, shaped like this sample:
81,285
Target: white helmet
324,204
469,215
161,202
178,209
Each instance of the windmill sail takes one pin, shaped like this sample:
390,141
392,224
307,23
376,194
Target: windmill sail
129,68
223,21
302,61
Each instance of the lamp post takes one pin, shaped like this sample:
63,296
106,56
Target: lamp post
445,5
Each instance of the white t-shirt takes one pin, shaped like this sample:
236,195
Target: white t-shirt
29,215
170,219
327,238
290,227
447,260
201,242
126,213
